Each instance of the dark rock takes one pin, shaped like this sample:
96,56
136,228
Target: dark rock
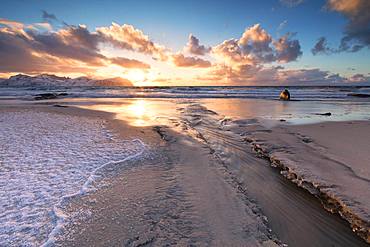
43,96
56,105
324,114
306,140
360,95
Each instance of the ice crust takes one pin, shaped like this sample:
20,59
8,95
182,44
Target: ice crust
45,158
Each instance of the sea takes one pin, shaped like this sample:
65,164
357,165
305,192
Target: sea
301,93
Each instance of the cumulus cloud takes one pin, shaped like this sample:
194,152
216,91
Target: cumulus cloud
291,3
34,47
195,48
182,61
74,42
129,38
256,46
129,63
255,43
356,34
287,49
29,51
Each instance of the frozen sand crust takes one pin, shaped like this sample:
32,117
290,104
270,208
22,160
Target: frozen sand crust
293,215
45,157
331,160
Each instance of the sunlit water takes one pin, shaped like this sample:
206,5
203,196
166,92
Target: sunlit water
148,112
153,105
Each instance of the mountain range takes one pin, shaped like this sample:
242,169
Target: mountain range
22,80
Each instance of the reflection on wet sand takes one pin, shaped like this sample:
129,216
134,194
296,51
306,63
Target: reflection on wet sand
139,112
294,112
148,112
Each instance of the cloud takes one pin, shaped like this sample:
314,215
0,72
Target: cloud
195,48
249,59
256,46
286,49
34,47
309,76
48,16
129,63
357,31
321,47
29,51
242,74
181,61
13,27
356,34
282,25
74,42
260,75
291,3
359,78
129,38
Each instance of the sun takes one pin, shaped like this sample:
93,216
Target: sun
136,76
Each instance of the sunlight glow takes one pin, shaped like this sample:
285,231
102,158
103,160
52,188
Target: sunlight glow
136,76
138,112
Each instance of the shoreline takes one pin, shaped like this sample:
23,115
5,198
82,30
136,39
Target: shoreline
221,129
57,215
170,150
281,152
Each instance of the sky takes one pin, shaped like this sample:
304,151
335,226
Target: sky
266,42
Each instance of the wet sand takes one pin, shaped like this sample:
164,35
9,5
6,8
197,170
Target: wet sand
201,185
330,160
294,215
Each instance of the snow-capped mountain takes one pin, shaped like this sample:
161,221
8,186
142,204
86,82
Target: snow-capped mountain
21,80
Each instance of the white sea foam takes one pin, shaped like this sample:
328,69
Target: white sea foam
45,159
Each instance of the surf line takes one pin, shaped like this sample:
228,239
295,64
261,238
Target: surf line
58,212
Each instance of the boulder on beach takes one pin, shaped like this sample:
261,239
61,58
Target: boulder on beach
324,114
285,95
44,96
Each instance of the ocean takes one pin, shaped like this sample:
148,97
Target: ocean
301,93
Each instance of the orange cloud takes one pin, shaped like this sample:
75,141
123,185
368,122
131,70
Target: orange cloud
255,34
256,47
32,48
195,48
348,7
181,61
127,37
356,33
129,63
37,48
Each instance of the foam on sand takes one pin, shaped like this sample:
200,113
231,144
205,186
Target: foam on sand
45,158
